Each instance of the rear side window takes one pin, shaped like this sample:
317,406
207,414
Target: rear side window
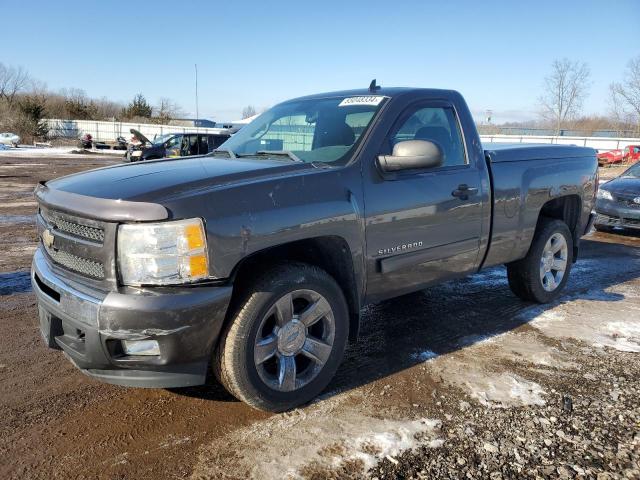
438,125
214,141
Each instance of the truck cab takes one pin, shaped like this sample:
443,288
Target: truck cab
631,153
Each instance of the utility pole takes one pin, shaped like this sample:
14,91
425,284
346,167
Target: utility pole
197,112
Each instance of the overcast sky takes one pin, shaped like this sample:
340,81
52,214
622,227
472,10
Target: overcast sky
248,52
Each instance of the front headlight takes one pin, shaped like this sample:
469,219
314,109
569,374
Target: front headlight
606,194
166,253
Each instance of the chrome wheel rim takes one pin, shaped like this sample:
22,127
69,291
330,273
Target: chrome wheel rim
294,340
553,263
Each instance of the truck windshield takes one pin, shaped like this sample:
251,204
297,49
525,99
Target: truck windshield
315,130
160,139
633,171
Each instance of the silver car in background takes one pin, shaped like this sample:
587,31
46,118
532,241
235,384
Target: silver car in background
10,139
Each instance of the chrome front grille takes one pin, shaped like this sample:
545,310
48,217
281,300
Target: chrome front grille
76,229
629,203
80,245
81,265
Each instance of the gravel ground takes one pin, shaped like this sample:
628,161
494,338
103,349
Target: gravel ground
459,381
590,428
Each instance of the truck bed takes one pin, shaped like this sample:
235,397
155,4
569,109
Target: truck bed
524,178
519,152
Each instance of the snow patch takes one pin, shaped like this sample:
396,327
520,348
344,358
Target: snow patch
21,165
326,436
504,389
590,319
387,438
527,347
28,203
424,356
37,151
626,336
475,340
492,277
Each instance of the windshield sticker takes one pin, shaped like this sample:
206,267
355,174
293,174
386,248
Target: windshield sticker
370,100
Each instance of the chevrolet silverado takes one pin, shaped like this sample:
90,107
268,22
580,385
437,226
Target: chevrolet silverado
255,260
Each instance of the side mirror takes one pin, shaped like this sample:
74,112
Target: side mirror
411,154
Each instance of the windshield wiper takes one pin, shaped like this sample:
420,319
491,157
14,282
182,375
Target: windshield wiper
280,153
229,153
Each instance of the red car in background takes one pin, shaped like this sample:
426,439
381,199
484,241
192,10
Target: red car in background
631,154
610,157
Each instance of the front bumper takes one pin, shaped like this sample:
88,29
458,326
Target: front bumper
88,325
612,214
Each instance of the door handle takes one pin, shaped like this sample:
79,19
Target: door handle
464,191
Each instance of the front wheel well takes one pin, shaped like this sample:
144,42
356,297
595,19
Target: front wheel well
330,253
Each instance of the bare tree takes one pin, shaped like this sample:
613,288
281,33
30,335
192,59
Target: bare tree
248,111
12,81
167,110
565,89
107,109
625,96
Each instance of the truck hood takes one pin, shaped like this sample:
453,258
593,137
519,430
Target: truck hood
154,181
623,185
139,136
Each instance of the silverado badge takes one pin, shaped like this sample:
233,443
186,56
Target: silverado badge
47,238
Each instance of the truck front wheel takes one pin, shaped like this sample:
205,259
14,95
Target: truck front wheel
285,340
543,273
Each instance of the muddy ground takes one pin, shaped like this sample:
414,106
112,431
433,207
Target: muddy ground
460,381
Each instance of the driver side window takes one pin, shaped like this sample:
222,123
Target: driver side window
435,124
174,141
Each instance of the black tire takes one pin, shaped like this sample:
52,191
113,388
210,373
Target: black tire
525,276
234,363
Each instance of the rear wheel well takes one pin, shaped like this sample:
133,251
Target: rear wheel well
568,210
330,253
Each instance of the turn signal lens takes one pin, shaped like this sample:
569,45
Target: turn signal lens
195,236
198,265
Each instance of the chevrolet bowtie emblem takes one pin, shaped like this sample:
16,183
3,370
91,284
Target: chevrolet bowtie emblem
636,200
48,238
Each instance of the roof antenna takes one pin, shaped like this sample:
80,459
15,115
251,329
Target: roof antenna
373,88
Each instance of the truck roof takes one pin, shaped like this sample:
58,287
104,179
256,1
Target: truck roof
384,91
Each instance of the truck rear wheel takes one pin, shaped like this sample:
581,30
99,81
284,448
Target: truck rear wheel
286,339
543,273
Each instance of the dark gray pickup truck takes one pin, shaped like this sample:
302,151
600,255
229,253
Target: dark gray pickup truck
254,261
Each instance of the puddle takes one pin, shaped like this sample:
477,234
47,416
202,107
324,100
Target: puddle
13,219
15,282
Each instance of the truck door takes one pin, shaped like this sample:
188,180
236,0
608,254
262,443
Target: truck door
423,226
